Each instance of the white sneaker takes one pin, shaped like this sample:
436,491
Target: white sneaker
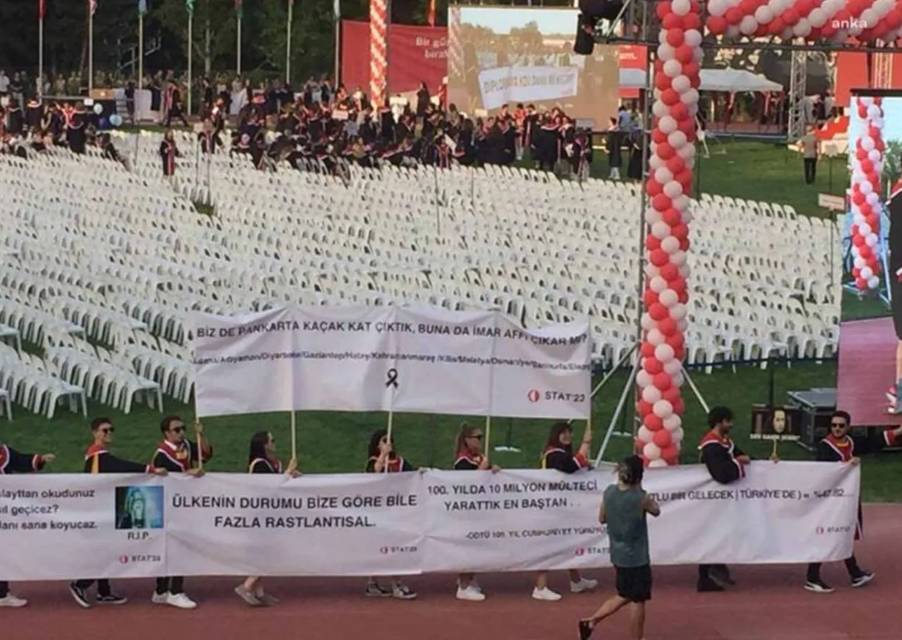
475,585
470,594
180,601
160,598
584,584
9,600
545,594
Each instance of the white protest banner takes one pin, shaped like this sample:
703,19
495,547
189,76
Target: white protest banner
526,84
244,363
66,526
423,359
81,526
535,520
327,525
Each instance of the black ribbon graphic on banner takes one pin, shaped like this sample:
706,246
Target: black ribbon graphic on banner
392,378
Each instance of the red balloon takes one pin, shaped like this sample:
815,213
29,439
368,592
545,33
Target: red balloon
687,126
861,283
652,243
658,312
643,408
790,16
661,202
665,151
680,231
864,251
675,341
857,240
675,37
662,438
670,272
865,209
662,81
653,422
776,26
691,70
679,111
676,164
733,15
658,136
867,166
647,349
668,327
684,53
671,454
872,221
717,25
857,196
692,20
653,187
652,365
659,65
685,179
672,21
748,6
670,97
678,407
671,394
683,298
894,18
663,9
658,257
672,217
684,244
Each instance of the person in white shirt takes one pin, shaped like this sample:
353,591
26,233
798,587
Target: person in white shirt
4,83
810,147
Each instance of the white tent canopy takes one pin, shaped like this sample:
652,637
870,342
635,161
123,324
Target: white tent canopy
729,80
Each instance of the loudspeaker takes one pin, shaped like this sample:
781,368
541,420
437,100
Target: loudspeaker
584,43
601,9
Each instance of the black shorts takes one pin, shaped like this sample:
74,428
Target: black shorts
634,583
896,288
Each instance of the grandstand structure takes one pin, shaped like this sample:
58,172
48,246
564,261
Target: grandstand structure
102,266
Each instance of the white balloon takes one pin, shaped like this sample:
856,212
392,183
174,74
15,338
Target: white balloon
867,143
670,244
652,271
866,273
748,26
678,311
652,394
666,51
693,37
883,6
872,198
868,18
680,7
683,325
647,322
653,216
667,124
663,175
668,297
698,55
655,337
764,14
660,230
673,68
858,262
873,110
664,353
871,240
718,7
676,435
657,284
671,367
873,282
681,84
866,187
801,28
673,189
643,378
652,452
682,203
662,408
732,31
644,434
657,463
672,422
678,259
655,162
687,152
677,140
688,216
690,97
660,109
817,18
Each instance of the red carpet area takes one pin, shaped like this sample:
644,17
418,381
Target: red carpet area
867,368
768,603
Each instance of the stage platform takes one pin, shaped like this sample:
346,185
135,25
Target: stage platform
867,369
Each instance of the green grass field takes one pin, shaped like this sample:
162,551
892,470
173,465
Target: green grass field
336,442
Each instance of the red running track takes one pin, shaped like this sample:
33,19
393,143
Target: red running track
867,368
768,603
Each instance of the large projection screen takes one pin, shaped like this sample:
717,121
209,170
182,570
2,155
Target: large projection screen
511,55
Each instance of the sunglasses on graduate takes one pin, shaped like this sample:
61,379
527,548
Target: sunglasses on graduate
177,429
837,425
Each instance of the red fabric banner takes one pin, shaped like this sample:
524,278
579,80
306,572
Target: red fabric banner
415,54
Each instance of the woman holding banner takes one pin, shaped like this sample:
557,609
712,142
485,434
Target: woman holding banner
384,459
559,455
262,459
470,457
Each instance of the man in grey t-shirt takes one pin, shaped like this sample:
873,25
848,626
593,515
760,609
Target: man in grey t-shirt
623,510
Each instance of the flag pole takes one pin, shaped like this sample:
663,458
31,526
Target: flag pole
294,436
140,80
190,46
41,52
337,18
288,43
488,434
238,44
90,49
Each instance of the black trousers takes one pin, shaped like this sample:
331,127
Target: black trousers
704,570
4,588
814,569
103,586
173,585
810,170
175,112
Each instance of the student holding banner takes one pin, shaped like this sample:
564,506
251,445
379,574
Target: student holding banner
98,459
176,454
559,455
383,459
839,446
12,461
470,457
262,459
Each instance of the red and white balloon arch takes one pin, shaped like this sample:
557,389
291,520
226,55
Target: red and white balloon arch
672,158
